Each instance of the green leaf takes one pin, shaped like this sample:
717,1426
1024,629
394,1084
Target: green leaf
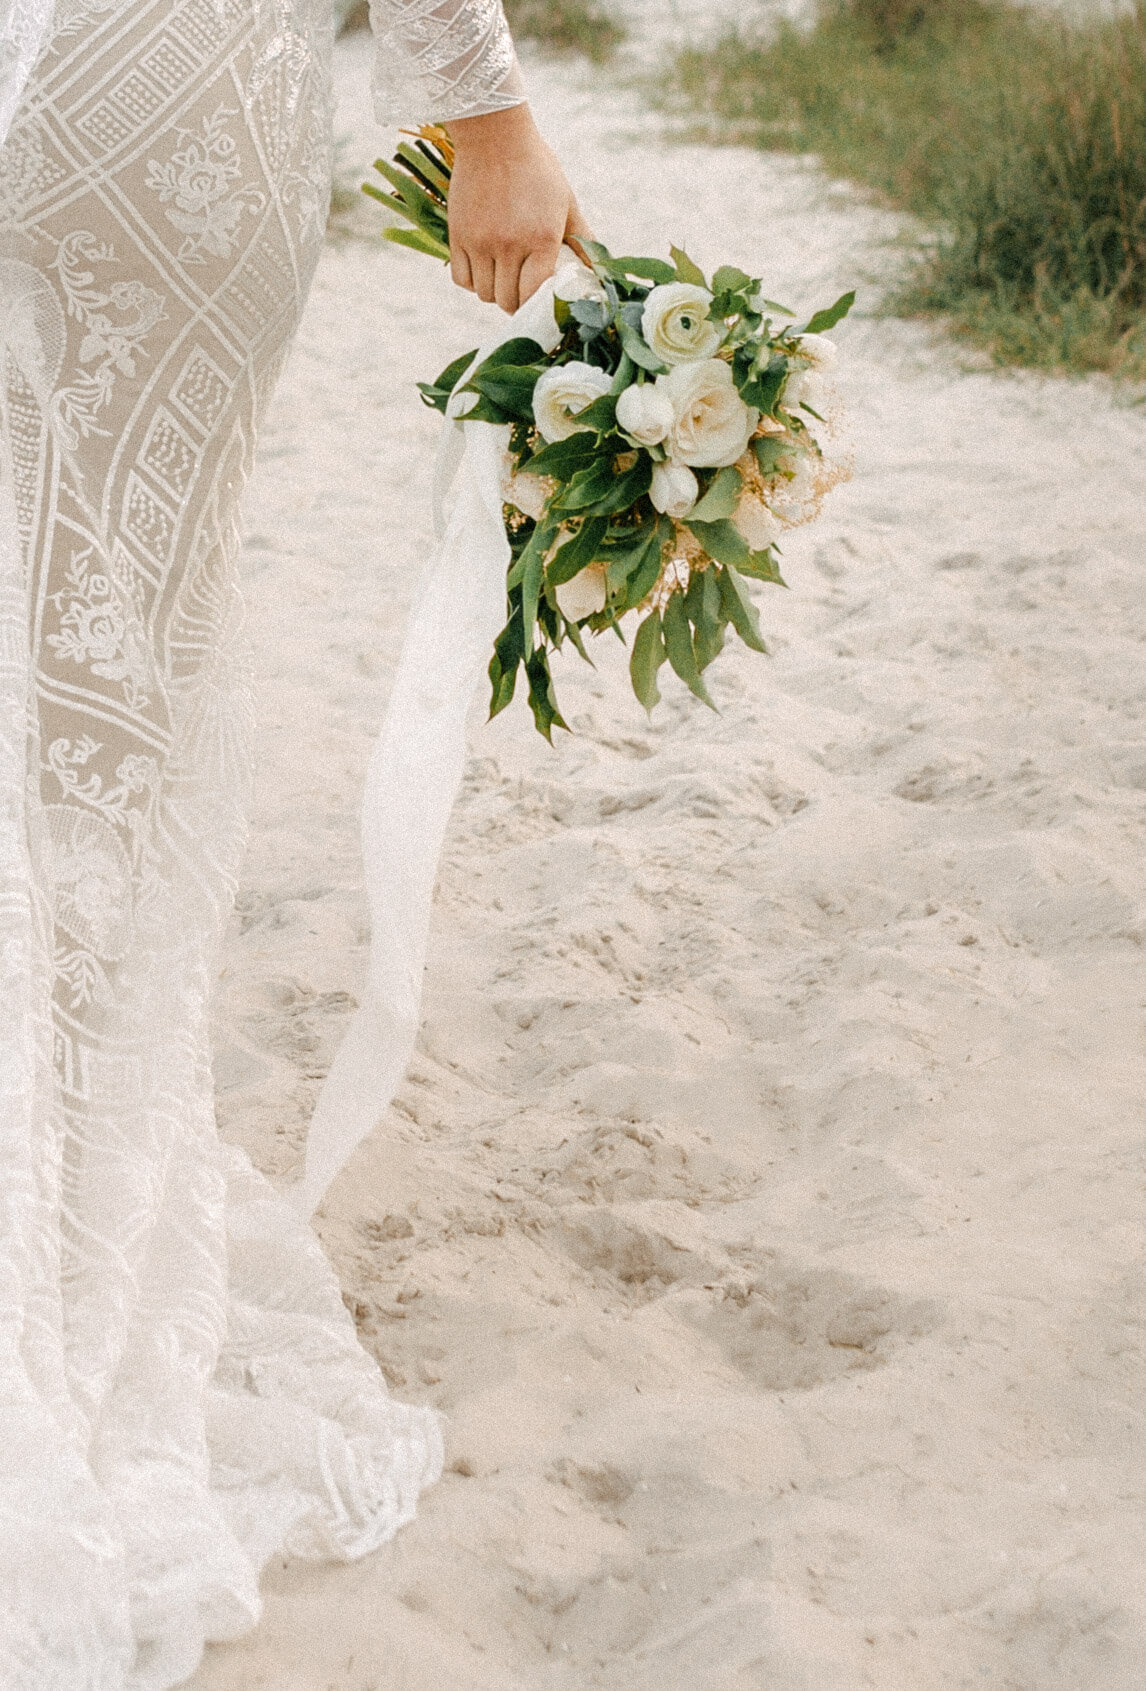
639,350
771,450
420,204
533,564
627,562
629,486
509,386
438,393
584,547
722,541
686,270
562,459
589,485
419,241
762,566
520,350
774,305
648,655
703,608
503,666
720,500
420,165
625,373
678,645
825,320
542,701
600,416
649,269
729,280
739,609
763,390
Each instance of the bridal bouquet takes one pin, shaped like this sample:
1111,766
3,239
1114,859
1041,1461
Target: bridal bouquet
656,454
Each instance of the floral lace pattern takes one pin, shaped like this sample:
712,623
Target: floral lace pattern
182,1392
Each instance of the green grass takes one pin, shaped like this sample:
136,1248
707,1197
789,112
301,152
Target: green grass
564,26
567,26
1020,141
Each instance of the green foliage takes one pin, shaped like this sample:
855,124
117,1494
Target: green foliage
1018,138
567,26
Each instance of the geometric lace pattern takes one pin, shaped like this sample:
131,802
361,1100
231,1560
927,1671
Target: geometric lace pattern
182,1392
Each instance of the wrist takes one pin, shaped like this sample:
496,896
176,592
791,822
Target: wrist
495,134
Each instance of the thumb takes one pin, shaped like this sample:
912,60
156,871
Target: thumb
577,231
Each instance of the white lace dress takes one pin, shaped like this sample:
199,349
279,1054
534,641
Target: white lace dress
182,1393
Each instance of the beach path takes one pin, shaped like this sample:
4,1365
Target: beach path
764,1203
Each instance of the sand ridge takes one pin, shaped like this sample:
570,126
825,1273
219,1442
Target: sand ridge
763,1206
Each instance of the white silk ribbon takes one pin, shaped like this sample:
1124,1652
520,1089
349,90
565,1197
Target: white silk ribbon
416,769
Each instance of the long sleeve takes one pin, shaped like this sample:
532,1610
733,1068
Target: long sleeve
24,27
442,59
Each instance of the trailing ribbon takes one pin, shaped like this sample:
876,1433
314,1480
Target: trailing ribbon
416,769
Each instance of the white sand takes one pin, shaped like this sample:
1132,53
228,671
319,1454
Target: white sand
764,1203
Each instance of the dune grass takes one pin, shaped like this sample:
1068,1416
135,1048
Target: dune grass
564,26
567,26
1019,139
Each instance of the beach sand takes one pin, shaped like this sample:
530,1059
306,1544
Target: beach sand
763,1206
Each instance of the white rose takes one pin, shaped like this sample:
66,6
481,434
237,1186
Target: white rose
756,523
645,413
675,323
584,595
713,425
564,391
820,352
577,281
675,489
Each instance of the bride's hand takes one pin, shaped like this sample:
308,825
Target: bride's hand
510,207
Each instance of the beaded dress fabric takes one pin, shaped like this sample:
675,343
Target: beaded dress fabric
182,1393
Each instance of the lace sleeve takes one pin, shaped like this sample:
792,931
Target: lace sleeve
24,26
441,59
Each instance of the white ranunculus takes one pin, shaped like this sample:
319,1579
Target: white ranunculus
712,424
806,387
676,325
576,281
820,352
562,392
674,489
645,413
584,595
756,523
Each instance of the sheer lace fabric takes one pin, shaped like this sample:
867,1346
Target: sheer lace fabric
182,1393
442,59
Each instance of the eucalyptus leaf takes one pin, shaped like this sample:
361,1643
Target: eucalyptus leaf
639,350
